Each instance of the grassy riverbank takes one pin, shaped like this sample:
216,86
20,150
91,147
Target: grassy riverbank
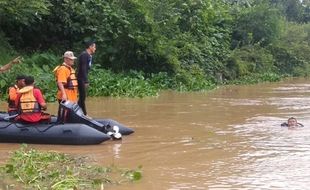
33,169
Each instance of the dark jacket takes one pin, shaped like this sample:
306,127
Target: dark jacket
84,63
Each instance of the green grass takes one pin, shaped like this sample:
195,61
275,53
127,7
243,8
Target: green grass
33,169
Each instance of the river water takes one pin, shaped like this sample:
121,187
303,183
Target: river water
228,138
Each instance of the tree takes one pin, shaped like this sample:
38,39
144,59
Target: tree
17,15
23,12
294,10
258,24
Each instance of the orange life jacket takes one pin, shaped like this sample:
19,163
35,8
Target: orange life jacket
11,103
27,102
71,80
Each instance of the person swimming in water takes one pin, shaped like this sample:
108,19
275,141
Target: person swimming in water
292,123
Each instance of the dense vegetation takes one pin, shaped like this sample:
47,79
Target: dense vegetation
147,45
35,169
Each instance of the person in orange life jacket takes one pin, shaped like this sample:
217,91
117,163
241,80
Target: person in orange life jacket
84,64
30,103
20,83
66,80
7,66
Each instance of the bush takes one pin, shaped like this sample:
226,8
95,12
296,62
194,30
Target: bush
249,59
292,50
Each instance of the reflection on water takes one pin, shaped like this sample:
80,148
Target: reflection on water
229,138
116,150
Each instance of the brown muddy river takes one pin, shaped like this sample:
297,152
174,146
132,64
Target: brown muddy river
229,138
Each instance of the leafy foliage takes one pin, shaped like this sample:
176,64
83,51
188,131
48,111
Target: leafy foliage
292,50
294,10
250,59
256,78
40,66
144,46
23,12
132,84
258,24
51,170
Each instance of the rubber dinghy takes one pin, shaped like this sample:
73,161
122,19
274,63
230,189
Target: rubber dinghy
79,130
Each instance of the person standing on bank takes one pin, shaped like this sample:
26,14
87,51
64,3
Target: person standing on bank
84,64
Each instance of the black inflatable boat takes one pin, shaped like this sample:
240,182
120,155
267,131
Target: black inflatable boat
78,130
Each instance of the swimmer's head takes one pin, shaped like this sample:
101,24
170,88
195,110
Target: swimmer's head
292,122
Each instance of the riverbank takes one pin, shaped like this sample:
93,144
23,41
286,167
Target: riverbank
28,168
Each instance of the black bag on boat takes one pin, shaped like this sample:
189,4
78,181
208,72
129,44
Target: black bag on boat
72,113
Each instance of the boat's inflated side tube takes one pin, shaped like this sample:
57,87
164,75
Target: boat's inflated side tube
66,134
